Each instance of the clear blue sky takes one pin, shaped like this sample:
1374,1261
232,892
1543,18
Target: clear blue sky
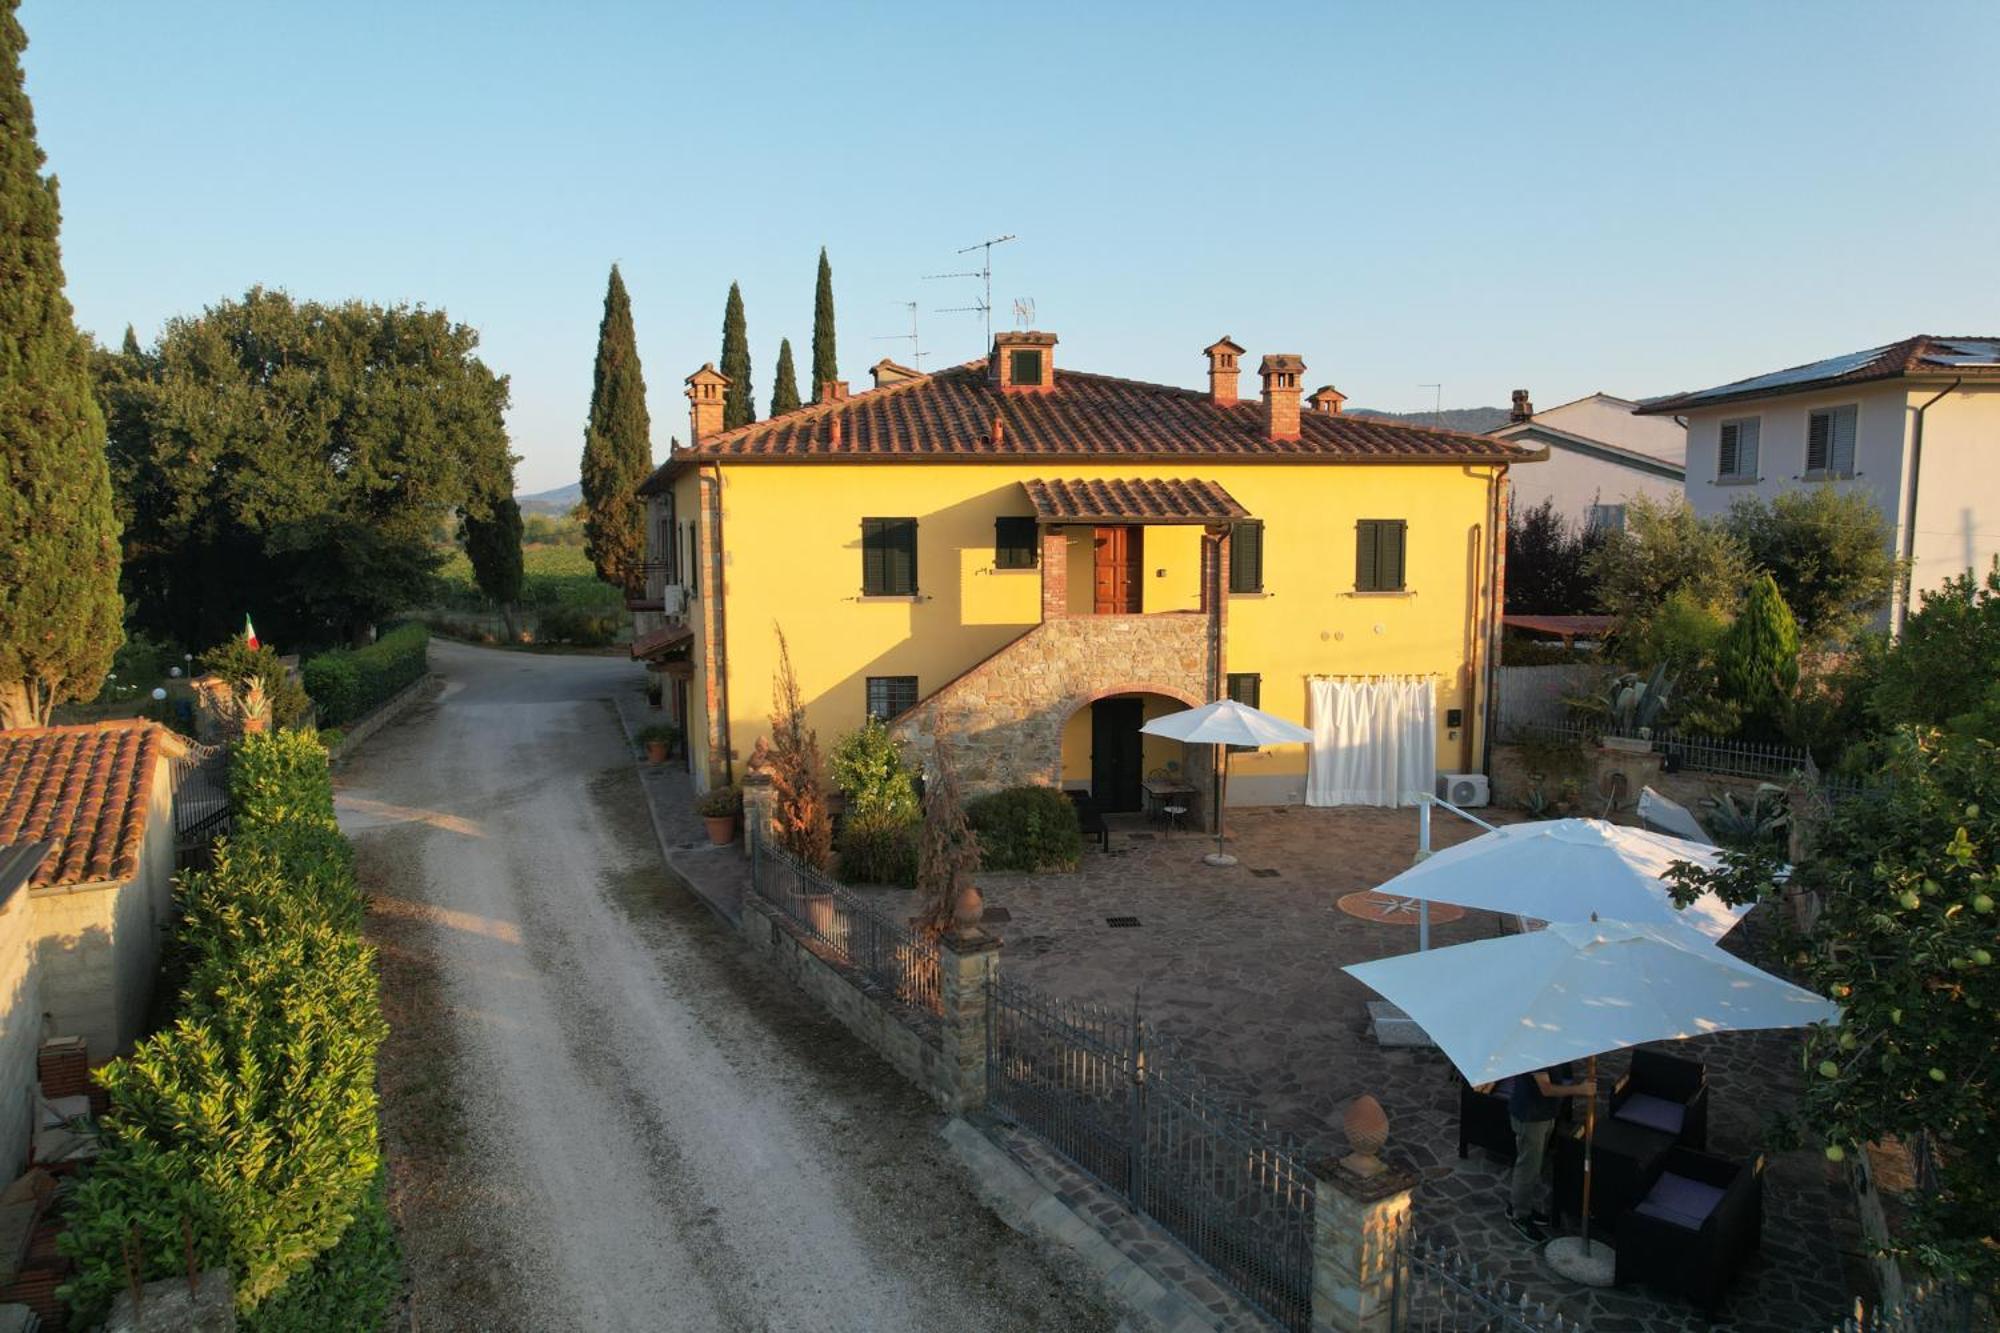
1628,197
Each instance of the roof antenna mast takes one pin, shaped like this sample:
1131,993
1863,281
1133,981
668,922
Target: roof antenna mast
917,354
985,274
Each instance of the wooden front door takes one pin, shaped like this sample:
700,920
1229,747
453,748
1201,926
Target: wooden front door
1120,554
1115,753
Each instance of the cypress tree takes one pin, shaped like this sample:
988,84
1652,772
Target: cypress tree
1759,659
131,350
826,363
60,610
738,408
617,450
785,393
493,545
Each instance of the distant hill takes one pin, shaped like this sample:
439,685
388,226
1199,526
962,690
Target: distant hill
558,501
1476,420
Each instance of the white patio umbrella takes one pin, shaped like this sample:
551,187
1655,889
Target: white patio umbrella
1226,722
1521,1003
1568,870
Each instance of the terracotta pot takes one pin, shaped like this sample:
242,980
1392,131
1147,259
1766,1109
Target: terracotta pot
968,910
721,829
656,752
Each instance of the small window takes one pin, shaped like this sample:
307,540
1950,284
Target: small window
1736,457
693,579
889,696
1830,442
888,557
1378,554
1246,557
1024,366
1245,687
1014,543
1607,518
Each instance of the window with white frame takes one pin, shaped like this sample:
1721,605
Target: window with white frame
1736,458
1830,441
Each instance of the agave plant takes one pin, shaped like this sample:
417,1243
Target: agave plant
1756,819
1635,705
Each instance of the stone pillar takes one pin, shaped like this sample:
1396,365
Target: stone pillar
968,959
758,803
1055,572
1361,1213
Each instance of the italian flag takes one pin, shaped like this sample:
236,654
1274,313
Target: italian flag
250,634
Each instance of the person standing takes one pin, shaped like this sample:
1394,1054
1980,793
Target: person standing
1532,1101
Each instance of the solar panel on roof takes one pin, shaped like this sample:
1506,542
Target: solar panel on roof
1966,352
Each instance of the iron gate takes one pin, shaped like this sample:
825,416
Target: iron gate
1435,1289
1107,1094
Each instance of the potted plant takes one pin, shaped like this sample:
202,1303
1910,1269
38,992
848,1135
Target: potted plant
659,740
719,807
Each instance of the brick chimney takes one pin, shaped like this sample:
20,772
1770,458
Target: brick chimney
888,372
1327,399
704,391
832,391
1023,362
1280,373
1523,410
1224,360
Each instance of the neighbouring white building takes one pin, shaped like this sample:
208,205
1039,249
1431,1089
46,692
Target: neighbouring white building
1914,426
1601,454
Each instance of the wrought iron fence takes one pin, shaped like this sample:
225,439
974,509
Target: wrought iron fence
1934,1307
890,961
201,794
1695,754
1435,1289
1107,1093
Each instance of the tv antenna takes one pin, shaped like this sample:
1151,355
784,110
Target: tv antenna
1437,404
984,273
1024,312
916,355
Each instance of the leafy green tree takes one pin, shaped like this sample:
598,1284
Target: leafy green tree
1904,942
1758,660
293,460
785,391
1665,549
131,349
60,611
1547,563
738,408
1827,549
869,769
493,546
617,449
1945,669
826,358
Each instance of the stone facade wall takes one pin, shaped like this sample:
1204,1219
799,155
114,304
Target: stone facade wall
1004,718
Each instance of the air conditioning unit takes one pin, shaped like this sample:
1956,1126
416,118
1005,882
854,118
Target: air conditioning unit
1464,789
673,601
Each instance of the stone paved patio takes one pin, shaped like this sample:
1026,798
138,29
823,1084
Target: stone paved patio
1241,969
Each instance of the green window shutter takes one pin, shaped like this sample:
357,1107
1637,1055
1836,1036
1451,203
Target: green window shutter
1364,556
1389,564
1378,554
888,557
1014,543
1246,557
874,574
904,571
1245,687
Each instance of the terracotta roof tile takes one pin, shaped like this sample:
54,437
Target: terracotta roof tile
1147,499
660,640
958,414
84,788
1926,354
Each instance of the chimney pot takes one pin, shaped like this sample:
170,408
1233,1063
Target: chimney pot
704,395
1280,373
1327,399
833,391
999,432
833,429
1523,410
1224,364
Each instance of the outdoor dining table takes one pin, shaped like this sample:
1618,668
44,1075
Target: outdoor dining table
1163,792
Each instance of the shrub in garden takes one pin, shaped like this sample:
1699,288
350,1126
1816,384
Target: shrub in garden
240,664
878,830
351,682
800,815
874,851
252,1118
1026,828
579,627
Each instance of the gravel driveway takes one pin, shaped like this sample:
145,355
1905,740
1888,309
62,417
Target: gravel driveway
599,1113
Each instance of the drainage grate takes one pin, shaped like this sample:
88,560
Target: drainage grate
997,915
1121,922
1265,874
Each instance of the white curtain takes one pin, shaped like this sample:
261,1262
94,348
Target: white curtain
1374,740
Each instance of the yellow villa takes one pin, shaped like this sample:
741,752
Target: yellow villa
1033,561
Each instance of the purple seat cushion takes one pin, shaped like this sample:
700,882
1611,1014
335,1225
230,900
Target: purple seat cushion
1643,1108
1685,1203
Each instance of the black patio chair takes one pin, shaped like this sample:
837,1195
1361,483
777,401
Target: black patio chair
1089,819
1666,1093
1700,1218
1483,1122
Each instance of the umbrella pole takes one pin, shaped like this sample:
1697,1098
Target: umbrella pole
1589,1136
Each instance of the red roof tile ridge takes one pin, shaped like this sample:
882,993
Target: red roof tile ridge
817,411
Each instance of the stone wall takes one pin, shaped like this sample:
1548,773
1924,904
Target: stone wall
20,1027
1004,718
1595,766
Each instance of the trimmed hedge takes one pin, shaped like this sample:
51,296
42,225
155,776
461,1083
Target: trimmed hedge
253,1117
1026,828
348,683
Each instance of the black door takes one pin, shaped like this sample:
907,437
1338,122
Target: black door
1114,753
